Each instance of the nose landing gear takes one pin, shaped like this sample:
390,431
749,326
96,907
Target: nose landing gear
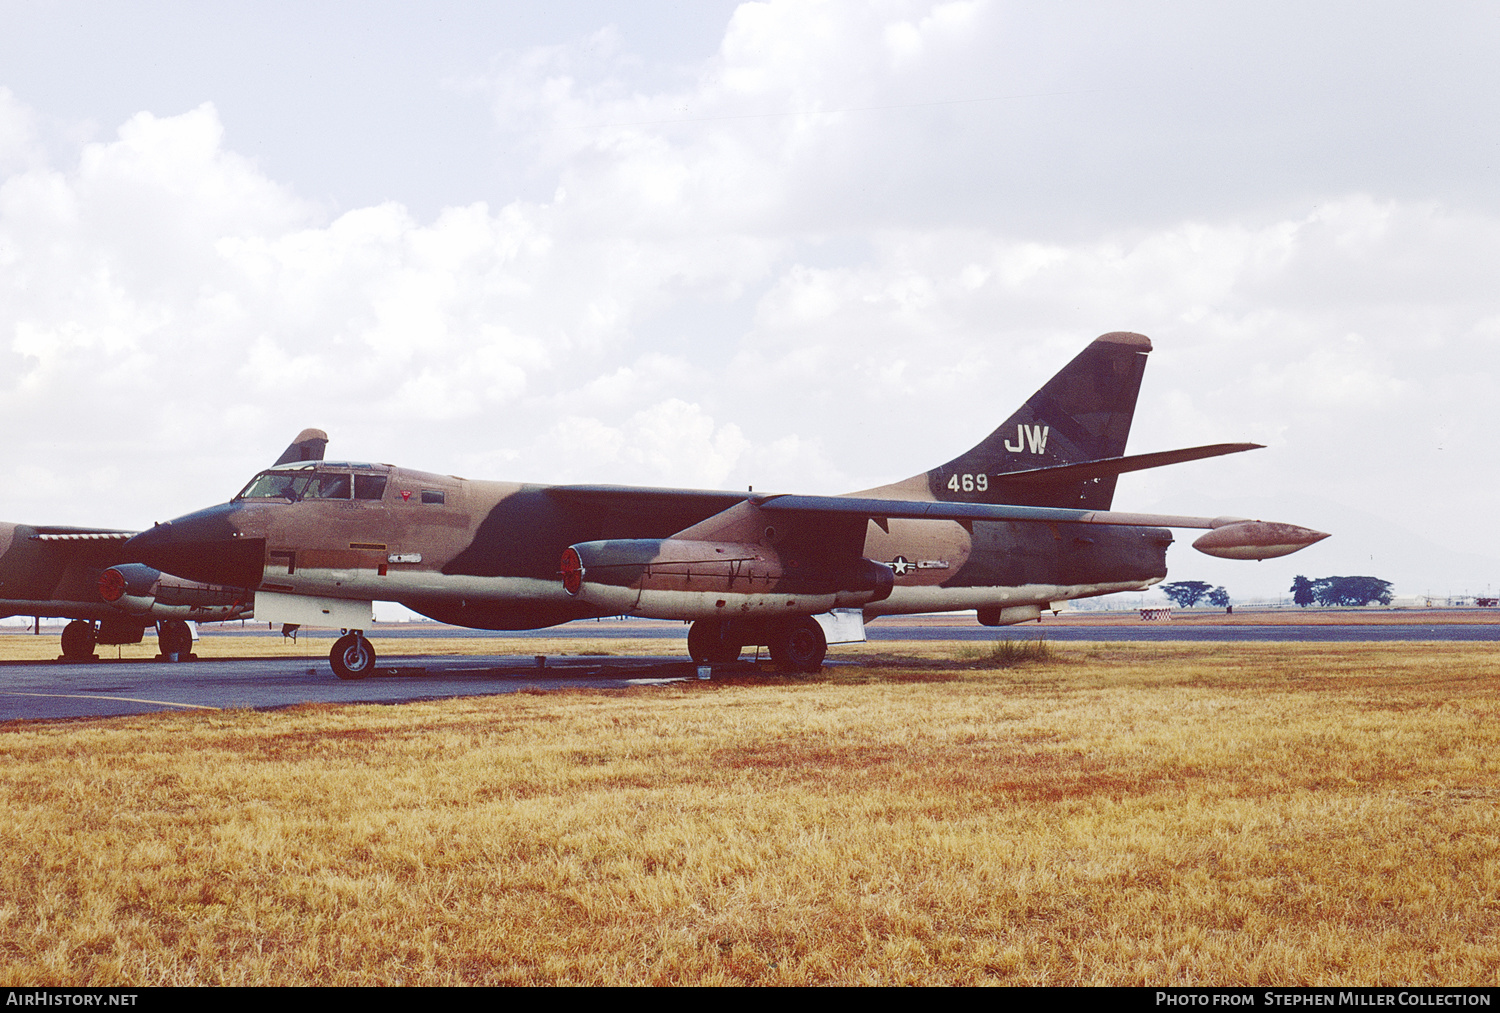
352,656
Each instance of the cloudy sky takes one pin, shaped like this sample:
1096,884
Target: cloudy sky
806,246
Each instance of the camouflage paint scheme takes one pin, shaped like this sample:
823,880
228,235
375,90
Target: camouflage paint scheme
81,574
58,572
1020,521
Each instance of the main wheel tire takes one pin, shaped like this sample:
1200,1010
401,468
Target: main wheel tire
799,646
352,657
78,640
174,637
710,642
727,653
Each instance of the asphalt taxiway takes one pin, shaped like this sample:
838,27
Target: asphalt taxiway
57,690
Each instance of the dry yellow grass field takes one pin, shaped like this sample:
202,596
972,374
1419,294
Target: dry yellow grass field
1114,814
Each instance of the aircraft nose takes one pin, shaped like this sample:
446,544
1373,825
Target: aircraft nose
206,546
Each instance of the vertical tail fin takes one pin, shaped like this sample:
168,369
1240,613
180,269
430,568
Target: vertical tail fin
1081,414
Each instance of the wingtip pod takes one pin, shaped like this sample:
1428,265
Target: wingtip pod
1238,539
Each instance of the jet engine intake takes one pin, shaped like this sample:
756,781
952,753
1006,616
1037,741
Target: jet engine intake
130,587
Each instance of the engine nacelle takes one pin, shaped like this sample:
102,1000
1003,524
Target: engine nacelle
677,578
139,590
130,587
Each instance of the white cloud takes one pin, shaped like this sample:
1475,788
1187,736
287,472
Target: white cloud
669,443
20,146
782,269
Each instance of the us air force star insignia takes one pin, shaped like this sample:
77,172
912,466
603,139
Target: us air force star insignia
901,565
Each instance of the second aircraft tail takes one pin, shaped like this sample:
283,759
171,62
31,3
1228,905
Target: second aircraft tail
308,446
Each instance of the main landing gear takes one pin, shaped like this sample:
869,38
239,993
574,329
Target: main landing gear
174,639
797,645
352,656
714,641
78,640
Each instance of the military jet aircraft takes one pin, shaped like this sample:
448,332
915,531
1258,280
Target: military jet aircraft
80,574
1018,523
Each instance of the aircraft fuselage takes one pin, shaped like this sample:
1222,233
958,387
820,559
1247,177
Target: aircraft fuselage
486,554
1018,522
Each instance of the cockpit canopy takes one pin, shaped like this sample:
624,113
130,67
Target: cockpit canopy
317,480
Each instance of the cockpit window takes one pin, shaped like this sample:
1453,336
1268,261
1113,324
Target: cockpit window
328,486
310,481
286,485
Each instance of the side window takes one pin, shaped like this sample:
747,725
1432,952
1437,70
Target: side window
328,486
432,496
369,486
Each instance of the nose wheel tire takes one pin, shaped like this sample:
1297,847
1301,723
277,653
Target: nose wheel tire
352,657
799,646
78,640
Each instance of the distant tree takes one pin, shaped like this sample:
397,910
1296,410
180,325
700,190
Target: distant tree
1219,597
1302,591
1352,590
1186,593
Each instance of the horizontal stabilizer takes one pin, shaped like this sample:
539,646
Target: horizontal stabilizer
1107,466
